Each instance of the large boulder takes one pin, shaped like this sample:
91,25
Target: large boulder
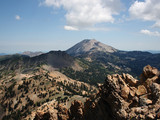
150,72
141,90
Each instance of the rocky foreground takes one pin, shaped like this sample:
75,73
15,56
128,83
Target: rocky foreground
121,97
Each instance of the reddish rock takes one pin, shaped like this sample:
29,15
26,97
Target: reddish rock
149,81
62,113
141,90
158,115
149,71
133,91
42,116
76,110
132,81
125,92
150,117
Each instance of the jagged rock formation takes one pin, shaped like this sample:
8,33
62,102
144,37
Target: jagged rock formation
129,98
122,97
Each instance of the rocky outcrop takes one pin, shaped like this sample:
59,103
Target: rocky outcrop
76,110
124,97
49,111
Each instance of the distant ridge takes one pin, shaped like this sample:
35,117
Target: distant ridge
90,45
32,54
154,51
2,54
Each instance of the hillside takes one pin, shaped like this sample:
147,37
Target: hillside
20,93
57,59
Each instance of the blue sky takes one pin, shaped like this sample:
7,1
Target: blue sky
44,25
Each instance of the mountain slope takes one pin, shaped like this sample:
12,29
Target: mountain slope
57,59
89,45
22,93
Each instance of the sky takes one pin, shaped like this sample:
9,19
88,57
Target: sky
44,25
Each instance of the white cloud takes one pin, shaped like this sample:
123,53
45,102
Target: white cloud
157,24
147,32
70,28
17,17
81,14
147,11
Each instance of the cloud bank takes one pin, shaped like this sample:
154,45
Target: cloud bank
147,32
147,11
82,14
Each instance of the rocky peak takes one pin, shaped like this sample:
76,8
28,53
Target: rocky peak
126,98
90,45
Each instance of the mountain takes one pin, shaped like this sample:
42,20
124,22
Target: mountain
88,46
31,54
98,62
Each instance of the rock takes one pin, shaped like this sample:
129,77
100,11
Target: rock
150,72
150,117
62,113
133,91
135,102
122,113
125,92
42,116
144,101
158,115
76,110
149,81
132,81
141,90
124,75
156,90
148,101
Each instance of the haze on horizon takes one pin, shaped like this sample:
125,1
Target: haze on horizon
44,25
